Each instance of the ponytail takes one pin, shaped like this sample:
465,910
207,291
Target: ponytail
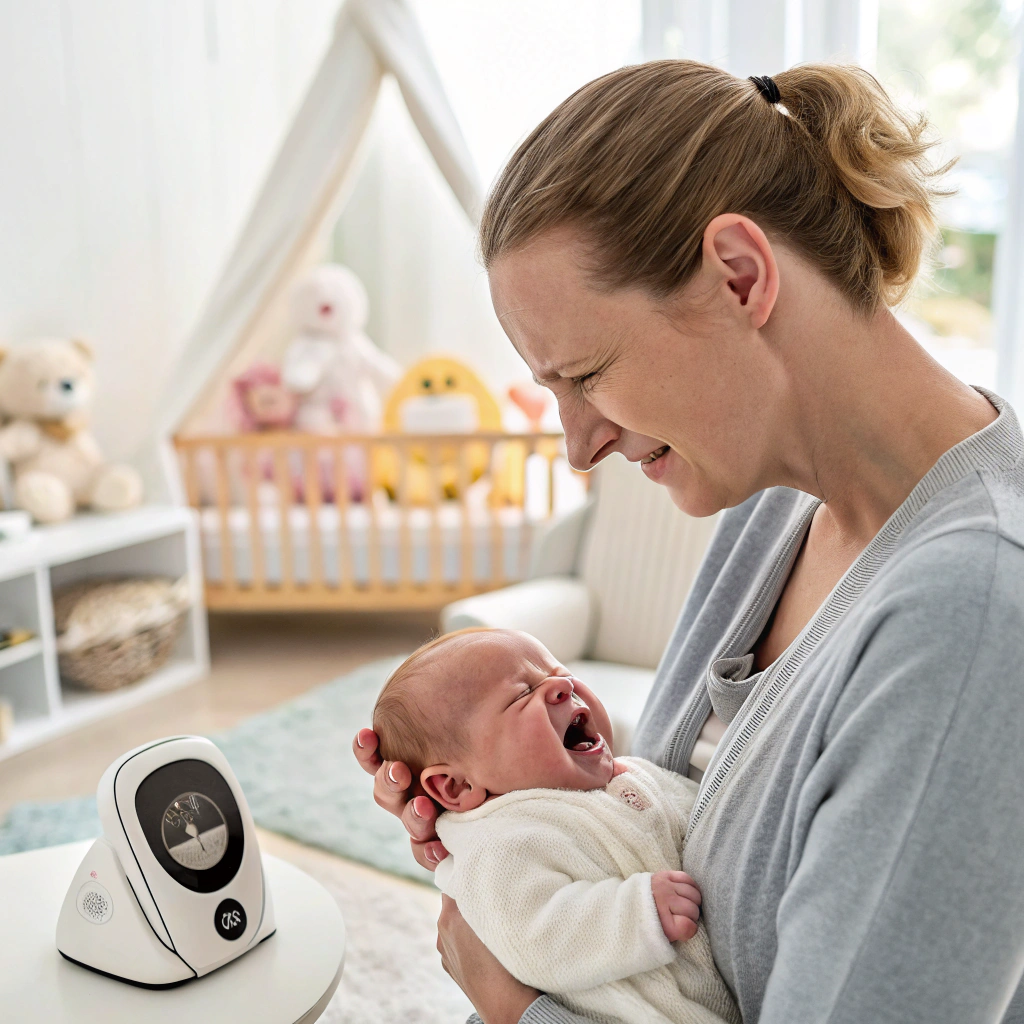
878,154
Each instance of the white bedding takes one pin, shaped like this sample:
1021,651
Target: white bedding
513,529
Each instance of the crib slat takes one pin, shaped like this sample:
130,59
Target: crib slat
497,546
466,528
435,562
526,529
374,562
404,532
227,550
311,461
283,482
346,562
253,474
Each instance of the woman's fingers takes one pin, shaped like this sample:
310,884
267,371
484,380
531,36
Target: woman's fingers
364,746
418,817
428,855
494,993
390,782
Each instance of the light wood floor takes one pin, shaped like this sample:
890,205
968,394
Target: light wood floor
257,661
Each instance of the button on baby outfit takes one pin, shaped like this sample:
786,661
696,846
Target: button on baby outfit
621,787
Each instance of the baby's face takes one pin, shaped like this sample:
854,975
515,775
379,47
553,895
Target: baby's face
528,723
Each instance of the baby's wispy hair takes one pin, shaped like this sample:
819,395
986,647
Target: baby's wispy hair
402,720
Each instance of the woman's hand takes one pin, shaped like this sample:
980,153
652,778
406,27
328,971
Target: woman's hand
497,997
392,782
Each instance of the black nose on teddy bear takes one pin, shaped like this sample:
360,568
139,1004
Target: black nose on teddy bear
67,386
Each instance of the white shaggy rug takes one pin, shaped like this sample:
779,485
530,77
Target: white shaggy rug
392,970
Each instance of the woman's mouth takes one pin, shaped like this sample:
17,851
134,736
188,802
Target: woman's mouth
581,737
656,464
654,456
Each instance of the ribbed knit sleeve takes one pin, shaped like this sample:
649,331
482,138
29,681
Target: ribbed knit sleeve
907,903
543,1010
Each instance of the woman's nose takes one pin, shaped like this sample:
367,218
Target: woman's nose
589,437
560,690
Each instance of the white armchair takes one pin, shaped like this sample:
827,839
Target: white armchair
605,590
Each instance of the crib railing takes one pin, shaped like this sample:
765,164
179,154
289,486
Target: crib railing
303,521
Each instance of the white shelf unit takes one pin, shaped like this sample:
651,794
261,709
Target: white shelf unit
154,540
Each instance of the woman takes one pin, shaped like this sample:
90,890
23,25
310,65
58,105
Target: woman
701,268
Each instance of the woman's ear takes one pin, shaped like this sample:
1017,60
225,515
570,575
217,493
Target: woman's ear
739,256
451,789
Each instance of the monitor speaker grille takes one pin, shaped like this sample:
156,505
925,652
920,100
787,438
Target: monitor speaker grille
94,903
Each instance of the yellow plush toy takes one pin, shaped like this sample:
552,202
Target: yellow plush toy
439,395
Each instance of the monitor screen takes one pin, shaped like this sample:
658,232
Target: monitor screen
192,824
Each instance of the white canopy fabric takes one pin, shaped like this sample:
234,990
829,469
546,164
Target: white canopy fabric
301,193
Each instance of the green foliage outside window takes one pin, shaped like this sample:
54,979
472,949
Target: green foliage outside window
956,60
950,54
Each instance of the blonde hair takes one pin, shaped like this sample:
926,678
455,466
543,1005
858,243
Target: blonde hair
403,723
642,159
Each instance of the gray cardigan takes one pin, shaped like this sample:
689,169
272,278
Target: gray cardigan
859,833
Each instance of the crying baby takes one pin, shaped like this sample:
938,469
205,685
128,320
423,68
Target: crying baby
565,861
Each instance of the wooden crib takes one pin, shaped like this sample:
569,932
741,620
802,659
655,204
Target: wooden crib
441,516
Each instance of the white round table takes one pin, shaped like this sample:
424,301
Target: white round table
287,979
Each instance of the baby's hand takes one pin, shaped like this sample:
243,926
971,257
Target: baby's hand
678,901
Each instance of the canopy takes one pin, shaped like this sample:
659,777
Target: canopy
303,192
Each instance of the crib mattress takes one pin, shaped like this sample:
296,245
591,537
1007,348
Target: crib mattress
435,540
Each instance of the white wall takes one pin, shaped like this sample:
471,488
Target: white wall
134,135
403,232
504,64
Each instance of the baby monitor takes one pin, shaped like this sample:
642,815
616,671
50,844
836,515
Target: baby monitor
174,889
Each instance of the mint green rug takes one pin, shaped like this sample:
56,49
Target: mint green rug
296,767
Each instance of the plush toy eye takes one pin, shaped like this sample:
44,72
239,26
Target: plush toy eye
427,383
449,382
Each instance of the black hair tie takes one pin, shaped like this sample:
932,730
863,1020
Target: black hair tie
767,88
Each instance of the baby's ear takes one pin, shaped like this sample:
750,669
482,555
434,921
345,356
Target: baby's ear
451,789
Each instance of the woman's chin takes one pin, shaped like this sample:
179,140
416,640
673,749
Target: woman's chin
677,476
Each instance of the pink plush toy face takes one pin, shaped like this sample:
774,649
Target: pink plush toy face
261,400
269,405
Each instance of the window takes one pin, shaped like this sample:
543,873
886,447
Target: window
956,60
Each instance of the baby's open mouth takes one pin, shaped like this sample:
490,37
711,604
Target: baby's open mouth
581,736
654,456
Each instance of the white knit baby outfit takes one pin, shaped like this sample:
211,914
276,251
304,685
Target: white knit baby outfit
557,885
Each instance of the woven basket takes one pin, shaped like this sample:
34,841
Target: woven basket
117,663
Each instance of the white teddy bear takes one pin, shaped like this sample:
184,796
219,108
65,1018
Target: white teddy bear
338,374
45,391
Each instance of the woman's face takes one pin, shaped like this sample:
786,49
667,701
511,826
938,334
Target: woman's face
682,392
